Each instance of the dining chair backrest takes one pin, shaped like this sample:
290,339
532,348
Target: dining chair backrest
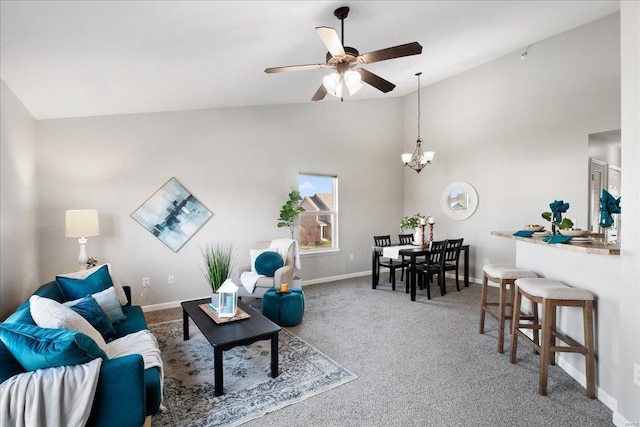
405,239
452,249
436,253
382,240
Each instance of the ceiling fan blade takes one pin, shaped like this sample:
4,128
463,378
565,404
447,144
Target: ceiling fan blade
408,49
329,37
320,94
294,68
375,81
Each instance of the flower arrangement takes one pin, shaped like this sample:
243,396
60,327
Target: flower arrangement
411,222
558,207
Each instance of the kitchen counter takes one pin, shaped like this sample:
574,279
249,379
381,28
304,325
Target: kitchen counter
596,248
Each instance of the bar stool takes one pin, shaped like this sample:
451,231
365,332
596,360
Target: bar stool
504,275
552,294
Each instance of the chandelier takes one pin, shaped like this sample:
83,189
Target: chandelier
419,159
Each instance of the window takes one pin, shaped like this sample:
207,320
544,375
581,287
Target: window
319,221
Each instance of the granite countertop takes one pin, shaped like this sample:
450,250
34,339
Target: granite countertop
588,248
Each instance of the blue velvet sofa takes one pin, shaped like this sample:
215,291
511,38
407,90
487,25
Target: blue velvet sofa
126,392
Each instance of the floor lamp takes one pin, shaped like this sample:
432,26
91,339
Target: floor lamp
82,224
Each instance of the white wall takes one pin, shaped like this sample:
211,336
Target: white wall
238,162
18,239
517,130
628,325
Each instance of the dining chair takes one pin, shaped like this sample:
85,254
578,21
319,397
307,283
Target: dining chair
404,239
432,266
389,263
451,259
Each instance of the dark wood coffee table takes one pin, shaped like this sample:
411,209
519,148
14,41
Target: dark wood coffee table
225,336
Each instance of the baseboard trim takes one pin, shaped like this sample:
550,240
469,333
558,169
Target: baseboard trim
620,421
175,304
601,395
335,278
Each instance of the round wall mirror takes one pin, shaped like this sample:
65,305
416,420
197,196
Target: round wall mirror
459,200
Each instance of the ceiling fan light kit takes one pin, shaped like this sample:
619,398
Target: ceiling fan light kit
347,61
419,159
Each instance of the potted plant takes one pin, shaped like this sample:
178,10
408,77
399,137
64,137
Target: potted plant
558,207
411,222
217,261
290,211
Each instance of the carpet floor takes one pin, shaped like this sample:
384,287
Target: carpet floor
423,363
250,392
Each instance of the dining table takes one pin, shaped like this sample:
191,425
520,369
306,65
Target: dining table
413,253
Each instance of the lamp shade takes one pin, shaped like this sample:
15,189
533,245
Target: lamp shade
81,223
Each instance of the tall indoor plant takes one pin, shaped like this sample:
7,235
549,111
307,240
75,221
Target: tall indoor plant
290,211
217,258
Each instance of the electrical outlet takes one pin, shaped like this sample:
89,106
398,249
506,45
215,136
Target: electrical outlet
170,279
636,374
351,257
486,261
145,282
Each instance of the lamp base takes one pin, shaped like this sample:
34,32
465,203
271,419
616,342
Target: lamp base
82,257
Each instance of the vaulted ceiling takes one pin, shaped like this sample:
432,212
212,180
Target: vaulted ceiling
86,58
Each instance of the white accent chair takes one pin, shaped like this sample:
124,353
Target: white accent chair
282,275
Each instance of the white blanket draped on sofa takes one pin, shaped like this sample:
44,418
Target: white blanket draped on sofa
60,396
143,343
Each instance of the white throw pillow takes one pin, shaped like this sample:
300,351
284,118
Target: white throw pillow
254,253
122,297
108,302
48,313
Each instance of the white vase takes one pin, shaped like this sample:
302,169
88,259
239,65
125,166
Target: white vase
417,236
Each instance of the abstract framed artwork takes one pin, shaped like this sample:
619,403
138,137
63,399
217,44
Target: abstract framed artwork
172,214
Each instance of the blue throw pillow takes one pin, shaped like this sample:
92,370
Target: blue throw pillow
80,288
88,308
37,348
268,262
9,366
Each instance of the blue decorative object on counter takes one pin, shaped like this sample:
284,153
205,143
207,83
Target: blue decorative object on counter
608,205
523,233
556,238
558,207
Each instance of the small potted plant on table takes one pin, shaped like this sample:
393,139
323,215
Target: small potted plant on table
217,261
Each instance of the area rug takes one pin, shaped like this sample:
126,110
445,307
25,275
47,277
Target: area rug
250,392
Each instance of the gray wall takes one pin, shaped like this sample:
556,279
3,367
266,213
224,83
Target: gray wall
517,130
238,162
18,254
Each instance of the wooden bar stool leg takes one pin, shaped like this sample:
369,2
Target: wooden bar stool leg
483,303
547,339
502,315
552,356
590,364
536,321
515,322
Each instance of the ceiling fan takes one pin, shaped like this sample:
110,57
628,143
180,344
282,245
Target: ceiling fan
347,61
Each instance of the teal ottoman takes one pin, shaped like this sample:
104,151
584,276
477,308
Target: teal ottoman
283,308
